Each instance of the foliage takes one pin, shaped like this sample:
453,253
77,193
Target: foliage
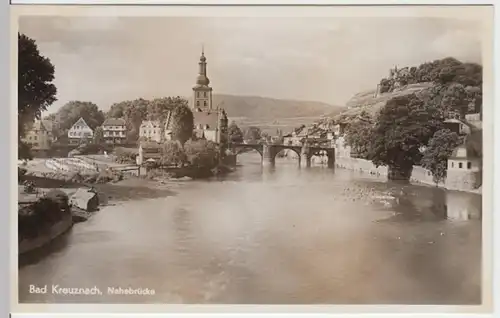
202,154
24,151
136,111
455,99
36,91
124,155
235,134
98,135
159,108
440,72
435,157
182,123
224,130
358,134
172,153
403,126
67,115
253,134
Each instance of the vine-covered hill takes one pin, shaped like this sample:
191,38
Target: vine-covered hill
452,85
371,103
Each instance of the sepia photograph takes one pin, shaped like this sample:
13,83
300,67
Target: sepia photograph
333,158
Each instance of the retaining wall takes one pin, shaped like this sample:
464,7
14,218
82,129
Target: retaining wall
464,180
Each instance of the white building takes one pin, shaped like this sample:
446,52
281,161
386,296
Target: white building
150,130
114,131
80,132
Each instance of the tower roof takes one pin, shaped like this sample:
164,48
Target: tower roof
202,78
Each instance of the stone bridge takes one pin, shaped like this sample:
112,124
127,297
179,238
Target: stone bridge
268,152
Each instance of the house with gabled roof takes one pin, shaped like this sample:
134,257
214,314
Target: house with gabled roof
114,131
464,171
150,130
80,132
38,137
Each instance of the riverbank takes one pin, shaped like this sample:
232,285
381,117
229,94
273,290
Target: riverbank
419,175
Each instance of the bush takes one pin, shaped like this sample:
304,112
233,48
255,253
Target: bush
108,175
21,172
60,197
124,155
153,174
39,216
202,154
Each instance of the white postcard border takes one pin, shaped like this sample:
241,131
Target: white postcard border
129,10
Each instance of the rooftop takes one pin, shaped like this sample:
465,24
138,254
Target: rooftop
114,122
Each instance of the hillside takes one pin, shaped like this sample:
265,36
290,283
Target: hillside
264,108
368,102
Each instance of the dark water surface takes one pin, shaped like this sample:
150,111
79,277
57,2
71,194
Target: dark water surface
280,236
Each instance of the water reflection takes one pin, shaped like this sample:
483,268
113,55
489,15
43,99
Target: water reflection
282,235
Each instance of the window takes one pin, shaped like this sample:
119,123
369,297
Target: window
197,94
35,137
197,103
469,165
205,94
205,103
460,165
452,164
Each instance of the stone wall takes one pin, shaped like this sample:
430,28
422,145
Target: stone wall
424,176
360,165
460,180
463,180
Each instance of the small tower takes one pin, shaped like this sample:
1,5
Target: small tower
202,98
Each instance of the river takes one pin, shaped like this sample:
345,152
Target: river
286,235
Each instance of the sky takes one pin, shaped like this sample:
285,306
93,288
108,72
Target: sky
110,59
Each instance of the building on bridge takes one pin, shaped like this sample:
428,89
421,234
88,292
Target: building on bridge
209,122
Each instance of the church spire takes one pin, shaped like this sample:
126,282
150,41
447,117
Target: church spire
202,77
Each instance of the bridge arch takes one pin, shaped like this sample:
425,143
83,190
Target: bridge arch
238,149
280,148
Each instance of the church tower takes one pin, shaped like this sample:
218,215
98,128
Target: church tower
202,99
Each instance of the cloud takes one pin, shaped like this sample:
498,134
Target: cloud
109,59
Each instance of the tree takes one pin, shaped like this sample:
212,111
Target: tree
455,98
403,126
24,151
159,108
435,157
202,154
253,134
134,112
358,132
36,91
67,115
98,136
172,153
182,123
234,133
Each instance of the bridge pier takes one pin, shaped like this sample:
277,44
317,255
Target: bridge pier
305,157
268,157
331,158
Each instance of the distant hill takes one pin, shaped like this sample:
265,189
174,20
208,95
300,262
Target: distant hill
264,108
